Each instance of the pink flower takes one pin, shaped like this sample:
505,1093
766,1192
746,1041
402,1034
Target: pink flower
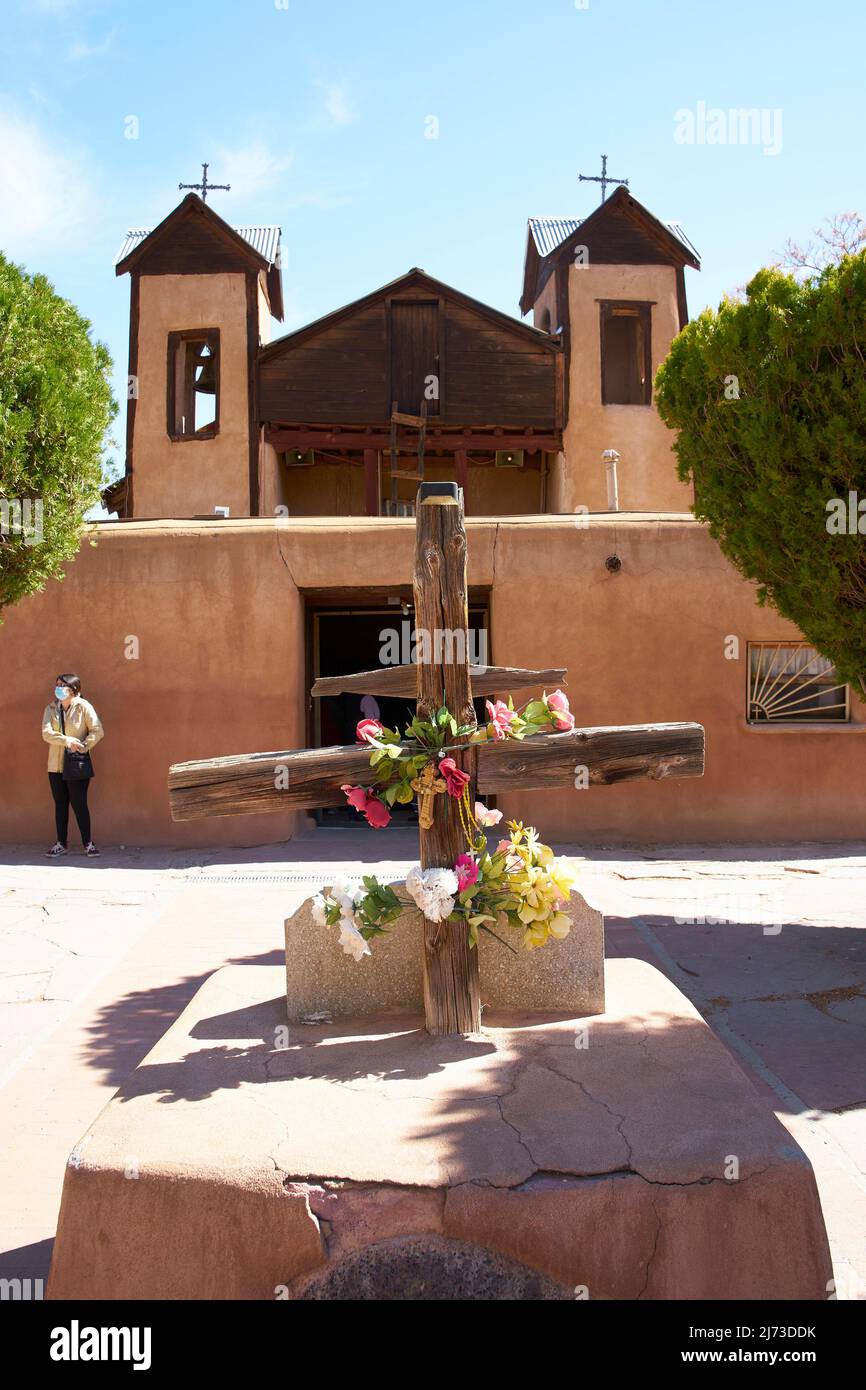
563,721
556,700
466,870
455,777
356,796
503,847
369,729
377,813
484,816
500,717
374,811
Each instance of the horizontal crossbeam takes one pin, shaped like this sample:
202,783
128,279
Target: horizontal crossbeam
249,783
403,680
380,438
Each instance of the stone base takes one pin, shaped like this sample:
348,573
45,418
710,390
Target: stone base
562,977
622,1156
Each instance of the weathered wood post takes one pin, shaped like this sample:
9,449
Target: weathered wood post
452,1002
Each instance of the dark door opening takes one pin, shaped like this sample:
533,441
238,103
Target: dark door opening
343,640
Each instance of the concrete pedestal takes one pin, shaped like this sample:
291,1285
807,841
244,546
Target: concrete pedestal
619,1156
564,976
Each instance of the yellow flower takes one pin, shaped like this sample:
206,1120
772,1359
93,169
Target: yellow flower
559,925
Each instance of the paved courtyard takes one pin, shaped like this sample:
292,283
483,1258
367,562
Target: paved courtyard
98,957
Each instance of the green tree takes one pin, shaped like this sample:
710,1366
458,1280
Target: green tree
55,407
769,397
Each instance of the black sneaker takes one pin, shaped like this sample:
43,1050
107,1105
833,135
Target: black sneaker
90,850
56,850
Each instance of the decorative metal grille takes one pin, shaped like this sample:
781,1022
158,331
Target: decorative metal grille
790,682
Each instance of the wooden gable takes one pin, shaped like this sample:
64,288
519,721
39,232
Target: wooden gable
620,232
353,365
192,240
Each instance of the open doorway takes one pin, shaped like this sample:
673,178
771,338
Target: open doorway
345,637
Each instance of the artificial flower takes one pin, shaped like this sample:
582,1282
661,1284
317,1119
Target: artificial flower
433,891
455,777
484,816
466,869
352,941
320,910
557,707
368,803
369,730
500,719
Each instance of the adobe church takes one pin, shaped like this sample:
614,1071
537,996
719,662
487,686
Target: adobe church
264,536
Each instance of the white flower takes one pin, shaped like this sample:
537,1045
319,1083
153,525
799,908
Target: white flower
346,892
433,891
351,939
319,910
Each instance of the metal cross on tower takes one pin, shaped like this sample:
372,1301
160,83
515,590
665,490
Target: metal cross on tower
204,187
604,180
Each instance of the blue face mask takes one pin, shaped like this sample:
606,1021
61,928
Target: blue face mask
61,692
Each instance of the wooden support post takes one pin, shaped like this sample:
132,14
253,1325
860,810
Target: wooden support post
461,468
452,1002
371,481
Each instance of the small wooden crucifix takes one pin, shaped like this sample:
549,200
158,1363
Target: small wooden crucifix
428,786
307,778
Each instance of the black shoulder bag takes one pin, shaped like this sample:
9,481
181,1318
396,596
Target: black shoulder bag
77,767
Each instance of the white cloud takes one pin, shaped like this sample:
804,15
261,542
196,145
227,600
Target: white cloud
338,108
80,49
47,187
251,168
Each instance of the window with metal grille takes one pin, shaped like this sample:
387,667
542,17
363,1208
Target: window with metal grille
193,383
790,683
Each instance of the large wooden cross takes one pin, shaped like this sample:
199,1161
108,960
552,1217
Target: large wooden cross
310,778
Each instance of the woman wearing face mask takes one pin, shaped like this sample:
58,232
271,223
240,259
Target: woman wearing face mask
70,725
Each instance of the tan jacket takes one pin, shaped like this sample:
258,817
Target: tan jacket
81,721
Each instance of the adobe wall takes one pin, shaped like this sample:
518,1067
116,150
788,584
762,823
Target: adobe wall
647,469
190,476
218,618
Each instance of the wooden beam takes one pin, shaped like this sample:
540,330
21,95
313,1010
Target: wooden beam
610,754
402,680
461,470
437,441
256,782
452,998
250,783
371,481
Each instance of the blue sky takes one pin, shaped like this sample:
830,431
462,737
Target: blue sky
316,113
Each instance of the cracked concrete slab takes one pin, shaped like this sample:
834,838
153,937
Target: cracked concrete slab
661,1169
148,925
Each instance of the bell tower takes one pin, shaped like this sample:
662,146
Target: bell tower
613,288
202,295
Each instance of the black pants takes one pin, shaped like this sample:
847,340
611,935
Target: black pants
64,793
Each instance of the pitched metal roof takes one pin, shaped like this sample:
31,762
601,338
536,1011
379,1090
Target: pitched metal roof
550,232
265,240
